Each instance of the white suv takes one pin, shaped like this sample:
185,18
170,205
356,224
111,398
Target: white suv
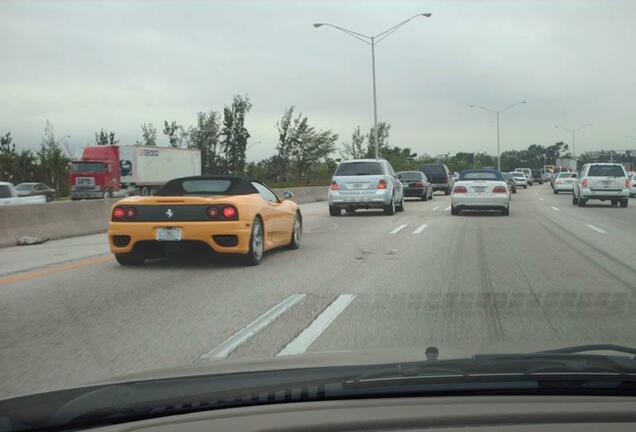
602,181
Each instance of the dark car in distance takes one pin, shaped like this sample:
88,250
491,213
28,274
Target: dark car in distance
416,185
511,182
439,176
537,175
35,189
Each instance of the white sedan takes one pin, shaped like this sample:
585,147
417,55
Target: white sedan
564,182
520,179
480,189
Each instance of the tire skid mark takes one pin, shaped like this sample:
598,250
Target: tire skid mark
493,317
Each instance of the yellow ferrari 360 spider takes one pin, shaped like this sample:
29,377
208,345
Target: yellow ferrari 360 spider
223,213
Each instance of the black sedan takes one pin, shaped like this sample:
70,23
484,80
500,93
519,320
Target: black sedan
34,189
416,185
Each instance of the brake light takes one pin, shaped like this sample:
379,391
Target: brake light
229,212
382,184
585,182
500,189
131,212
119,213
213,212
627,183
334,186
460,189
419,184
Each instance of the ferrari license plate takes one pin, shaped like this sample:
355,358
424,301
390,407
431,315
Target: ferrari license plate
168,234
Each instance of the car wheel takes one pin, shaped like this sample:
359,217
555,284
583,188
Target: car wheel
257,244
454,211
624,203
130,259
400,207
297,232
554,191
447,192
49,198
506,211
525,186
334,211
350,211
390,209
425,196
582,202
614,203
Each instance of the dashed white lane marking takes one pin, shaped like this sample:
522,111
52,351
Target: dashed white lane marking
398,229
541,199
420,228
555,208
435,208
447,208
301,342
225,348
597,229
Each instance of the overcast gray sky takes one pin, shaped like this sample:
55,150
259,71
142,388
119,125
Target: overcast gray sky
87,65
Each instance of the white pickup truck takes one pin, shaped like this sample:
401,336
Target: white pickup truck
9,196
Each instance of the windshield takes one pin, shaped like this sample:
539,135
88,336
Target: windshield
228,187
88,167
606,171
359,168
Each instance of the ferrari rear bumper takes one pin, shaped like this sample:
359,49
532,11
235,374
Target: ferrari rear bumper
222,236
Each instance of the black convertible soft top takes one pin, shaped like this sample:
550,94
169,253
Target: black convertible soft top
208,185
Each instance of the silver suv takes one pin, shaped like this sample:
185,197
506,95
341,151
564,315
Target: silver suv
363,184
602,181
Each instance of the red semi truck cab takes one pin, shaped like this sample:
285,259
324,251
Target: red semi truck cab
97,174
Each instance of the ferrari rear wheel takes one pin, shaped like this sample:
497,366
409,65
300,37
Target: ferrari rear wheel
257,244
297,233
130,259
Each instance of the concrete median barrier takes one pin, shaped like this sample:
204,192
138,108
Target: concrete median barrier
63,219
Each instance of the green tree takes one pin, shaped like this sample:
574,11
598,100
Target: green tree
205,138
8,157
174,132
53,163
382,137
148,135
105,138
357,148
234,134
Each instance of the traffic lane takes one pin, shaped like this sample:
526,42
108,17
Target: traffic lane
103,320
506,284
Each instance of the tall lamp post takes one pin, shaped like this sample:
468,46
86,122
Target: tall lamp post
573,132
373,40
497,112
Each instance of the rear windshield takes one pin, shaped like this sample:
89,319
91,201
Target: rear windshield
88,167
481,175
359,169
567,175
5,192
606,171
410,175
433,170
206,187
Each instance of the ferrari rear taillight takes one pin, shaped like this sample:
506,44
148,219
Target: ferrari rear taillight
213,212
119,213
585,183
131,213
500,189
229,212
334,186
460,189
382,184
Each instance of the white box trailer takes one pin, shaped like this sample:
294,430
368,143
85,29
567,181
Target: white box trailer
149,168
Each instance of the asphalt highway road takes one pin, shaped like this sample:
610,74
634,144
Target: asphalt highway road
549,275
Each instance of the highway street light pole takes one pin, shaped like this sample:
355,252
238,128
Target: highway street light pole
573,132
373,41
497,112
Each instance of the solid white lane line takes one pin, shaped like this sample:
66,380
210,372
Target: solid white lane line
301,342
420,228
447,208
225,348
555,208
398,229
597,229
435,208
541,199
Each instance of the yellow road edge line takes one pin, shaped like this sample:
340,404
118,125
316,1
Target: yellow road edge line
19,277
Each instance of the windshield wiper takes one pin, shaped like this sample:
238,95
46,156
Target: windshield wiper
590,348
